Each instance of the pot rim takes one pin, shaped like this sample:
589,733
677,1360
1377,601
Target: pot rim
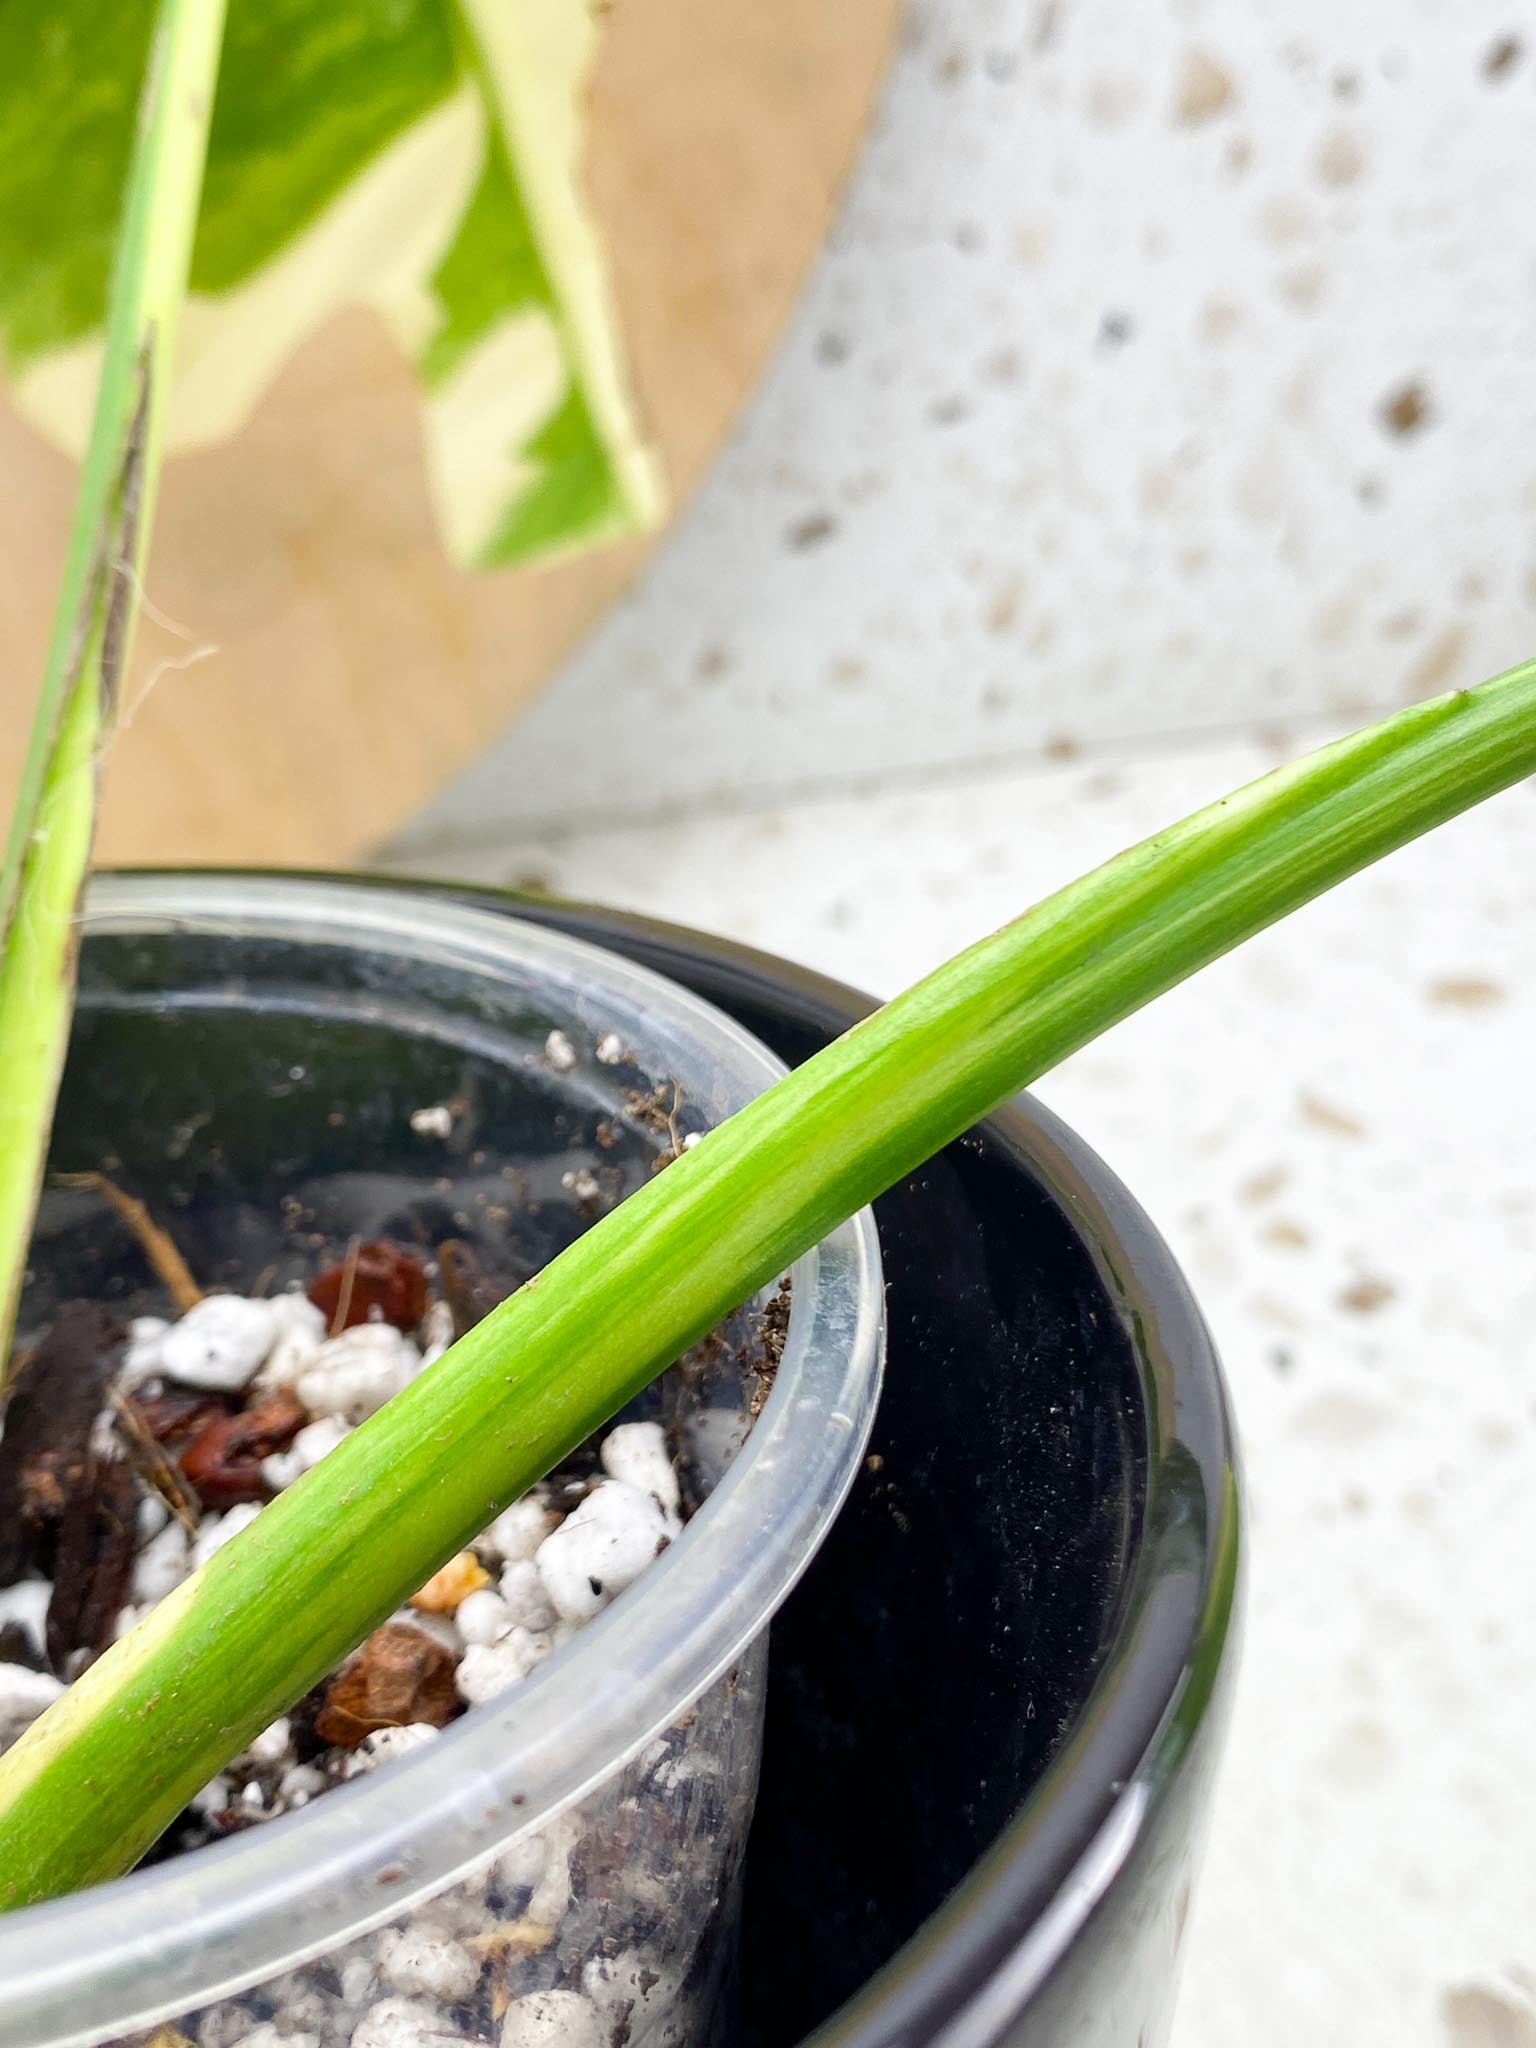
197,1928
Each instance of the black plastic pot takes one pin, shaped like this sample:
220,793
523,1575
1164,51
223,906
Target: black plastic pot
997,1698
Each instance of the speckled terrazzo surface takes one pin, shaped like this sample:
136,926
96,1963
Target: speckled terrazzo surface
1337,1131
1165,398
1171,365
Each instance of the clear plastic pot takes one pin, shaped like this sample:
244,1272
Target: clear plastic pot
249,1055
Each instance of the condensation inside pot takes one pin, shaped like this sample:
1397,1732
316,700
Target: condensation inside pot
268,1130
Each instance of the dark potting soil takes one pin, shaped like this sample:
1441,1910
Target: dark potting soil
107,1453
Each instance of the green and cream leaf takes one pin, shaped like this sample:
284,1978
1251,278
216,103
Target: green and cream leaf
418,158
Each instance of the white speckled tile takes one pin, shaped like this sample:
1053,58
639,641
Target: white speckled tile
1337,1130
1171,367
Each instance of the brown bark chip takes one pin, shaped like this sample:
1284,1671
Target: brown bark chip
400,1675
223,1461
377,1282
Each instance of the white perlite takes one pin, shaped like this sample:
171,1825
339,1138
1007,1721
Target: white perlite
160,1566
219,1343
296,1316
141,1358
560,1052
271,1745
602,1547
356,1979
412,1960
518,1530
553,2019
552,1894
385,1744
300,1333
404,2023
23,1696
522,1865
636,1452
525,1596
354,1374
26,1605
300,1783
627,1983
213,1798
483,1618
227,2026
302,2007
486,1669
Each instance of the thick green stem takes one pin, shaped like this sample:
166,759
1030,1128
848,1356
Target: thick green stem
102,1773
53,823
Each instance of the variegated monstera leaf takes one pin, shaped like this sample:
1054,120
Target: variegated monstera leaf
422,157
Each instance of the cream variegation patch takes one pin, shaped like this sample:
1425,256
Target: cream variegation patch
540,53
375,244
478,421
